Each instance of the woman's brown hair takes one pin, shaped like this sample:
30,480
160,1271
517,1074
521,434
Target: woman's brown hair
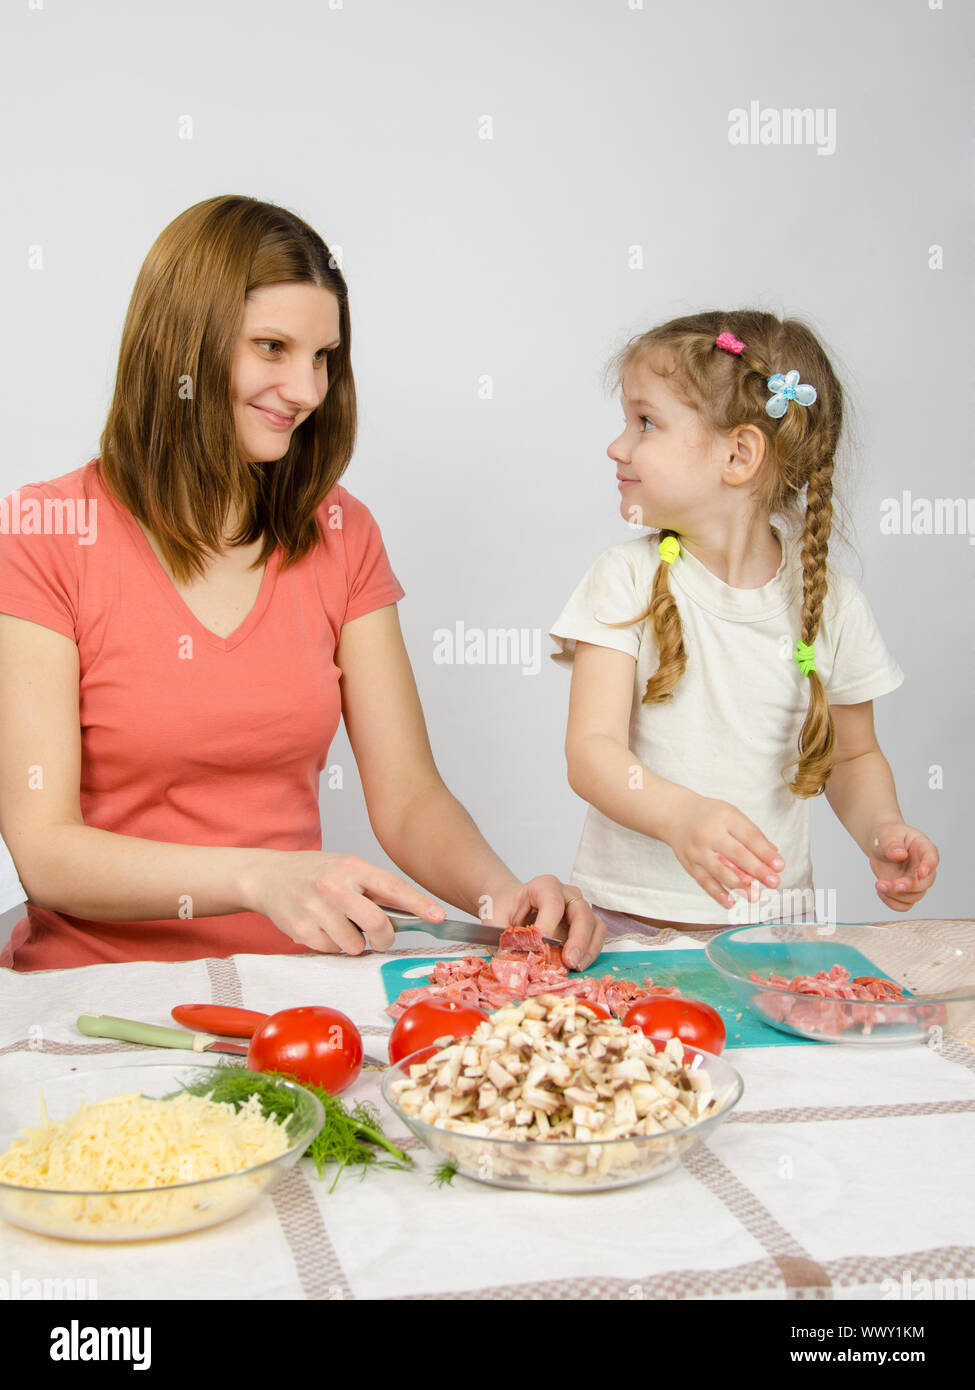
170,441
729,391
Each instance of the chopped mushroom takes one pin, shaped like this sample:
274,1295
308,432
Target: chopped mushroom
549,1069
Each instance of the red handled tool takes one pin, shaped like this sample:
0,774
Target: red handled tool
222,1019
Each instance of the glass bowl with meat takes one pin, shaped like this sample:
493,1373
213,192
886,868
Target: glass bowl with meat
547,1095
853,982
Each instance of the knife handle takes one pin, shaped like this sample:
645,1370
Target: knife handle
127,1030
223,1019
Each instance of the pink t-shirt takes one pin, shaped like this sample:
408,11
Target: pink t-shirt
186,737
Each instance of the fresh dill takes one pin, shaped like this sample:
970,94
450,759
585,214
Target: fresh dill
445,1173
351,1138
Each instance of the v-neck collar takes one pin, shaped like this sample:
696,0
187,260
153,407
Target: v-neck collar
175,599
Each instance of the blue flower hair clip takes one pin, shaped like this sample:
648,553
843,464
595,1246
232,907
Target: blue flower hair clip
786,389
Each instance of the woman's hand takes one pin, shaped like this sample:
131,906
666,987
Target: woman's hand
721,848
904,862
546,903
328,902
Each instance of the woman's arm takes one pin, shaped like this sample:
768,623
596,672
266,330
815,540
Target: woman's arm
861,792
419,823
67,866
422,827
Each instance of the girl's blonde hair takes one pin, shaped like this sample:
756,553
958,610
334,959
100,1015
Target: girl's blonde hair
796,482
170,435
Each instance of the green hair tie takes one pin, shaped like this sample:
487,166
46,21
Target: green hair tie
806,657
669,549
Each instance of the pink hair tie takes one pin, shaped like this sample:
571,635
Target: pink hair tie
730,343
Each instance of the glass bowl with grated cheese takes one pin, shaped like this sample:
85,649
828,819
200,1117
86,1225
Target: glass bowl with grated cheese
126,1153
545,1096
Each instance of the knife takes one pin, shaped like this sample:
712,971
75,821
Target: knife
152,1035
126,1030
451,929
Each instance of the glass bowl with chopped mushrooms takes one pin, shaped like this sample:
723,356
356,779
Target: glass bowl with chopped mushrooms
852,982
544,1095
138,1152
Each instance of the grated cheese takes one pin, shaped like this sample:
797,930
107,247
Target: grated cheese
119,1150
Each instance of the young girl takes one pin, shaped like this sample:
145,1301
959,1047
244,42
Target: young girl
723,673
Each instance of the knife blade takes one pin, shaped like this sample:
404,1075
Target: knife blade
452,929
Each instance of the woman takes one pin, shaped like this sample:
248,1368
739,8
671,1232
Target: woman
182,621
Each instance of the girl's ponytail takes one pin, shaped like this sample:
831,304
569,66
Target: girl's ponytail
664,616
817,740
668,630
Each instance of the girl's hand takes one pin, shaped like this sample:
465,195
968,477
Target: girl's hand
905,863
721,848
546,903
328,902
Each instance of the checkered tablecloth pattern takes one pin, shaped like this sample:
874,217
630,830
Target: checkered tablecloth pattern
843,1172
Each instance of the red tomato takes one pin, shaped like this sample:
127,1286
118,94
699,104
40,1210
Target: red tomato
691,1020
429,1019
313,1044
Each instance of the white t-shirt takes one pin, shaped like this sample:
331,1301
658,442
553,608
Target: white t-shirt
734,718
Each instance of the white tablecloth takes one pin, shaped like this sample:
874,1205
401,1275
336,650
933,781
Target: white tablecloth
840,1169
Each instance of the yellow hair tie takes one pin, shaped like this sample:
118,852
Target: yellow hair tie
669,549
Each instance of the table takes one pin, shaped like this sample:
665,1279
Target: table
844,1172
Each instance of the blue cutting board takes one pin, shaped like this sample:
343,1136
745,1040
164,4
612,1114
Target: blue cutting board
696,978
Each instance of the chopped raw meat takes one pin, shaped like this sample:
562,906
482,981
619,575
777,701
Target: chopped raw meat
833,984
528,939
511,970
445,970
523,967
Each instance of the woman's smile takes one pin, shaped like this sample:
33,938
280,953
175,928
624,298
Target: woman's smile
278,422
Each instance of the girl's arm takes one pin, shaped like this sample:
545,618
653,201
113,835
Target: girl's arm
861,792
601,767
421,826
718,846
